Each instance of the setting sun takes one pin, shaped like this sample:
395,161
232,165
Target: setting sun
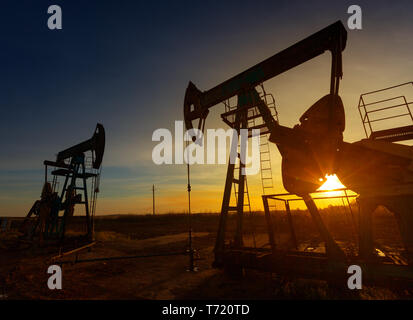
331,183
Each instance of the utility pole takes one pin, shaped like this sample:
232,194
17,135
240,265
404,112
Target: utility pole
153,199
190,249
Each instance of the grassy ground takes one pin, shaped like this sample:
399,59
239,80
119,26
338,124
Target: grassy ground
23,269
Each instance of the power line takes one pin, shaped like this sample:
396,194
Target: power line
153,199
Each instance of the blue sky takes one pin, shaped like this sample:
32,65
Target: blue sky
126,64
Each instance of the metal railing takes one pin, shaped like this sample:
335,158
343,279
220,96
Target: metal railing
381,110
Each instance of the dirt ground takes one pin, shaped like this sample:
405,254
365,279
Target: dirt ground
23,269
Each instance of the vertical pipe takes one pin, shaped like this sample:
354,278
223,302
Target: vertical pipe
220,240
270,226
333,71
366,243
332,249
153,199
241,186
290,223
191,250
88,216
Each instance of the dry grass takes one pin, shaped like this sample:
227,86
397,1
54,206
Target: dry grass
22,273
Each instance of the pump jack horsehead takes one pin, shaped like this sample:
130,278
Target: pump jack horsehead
380,171
71,164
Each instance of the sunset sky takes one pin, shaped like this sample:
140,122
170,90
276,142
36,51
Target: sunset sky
126,64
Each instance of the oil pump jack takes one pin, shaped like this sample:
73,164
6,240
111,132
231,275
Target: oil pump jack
44,218
379,170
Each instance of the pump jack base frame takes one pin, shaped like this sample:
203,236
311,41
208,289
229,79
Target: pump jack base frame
311,265
379,271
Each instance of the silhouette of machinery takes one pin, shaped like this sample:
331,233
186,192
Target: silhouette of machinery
377,168
49,216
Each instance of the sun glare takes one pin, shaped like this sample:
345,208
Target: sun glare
331,183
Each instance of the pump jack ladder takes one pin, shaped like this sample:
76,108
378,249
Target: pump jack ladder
333,264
